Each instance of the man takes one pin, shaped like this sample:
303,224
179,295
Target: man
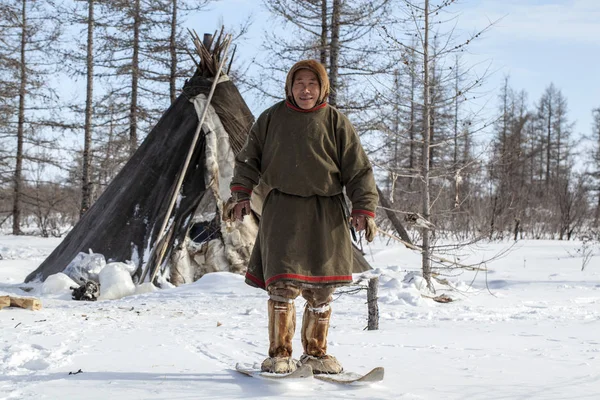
306,151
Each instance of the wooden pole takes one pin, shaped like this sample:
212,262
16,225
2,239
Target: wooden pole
373,323
207,40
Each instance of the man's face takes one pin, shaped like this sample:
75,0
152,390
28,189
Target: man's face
306,89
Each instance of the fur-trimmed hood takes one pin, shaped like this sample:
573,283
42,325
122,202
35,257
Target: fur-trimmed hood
318,69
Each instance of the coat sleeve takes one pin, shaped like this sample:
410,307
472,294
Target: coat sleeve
356,171
247,169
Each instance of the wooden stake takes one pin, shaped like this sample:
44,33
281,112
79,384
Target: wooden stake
372,289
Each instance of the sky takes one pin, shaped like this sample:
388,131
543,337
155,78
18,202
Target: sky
534,42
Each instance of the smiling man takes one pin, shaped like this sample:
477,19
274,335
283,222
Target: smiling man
307,152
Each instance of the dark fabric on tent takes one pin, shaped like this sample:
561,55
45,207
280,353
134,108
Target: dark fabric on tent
126,218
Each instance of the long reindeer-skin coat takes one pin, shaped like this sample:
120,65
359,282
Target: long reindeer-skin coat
307,157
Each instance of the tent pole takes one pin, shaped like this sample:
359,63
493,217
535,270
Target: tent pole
163,246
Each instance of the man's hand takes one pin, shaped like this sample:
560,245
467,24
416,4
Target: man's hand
240,209
364,223
358,222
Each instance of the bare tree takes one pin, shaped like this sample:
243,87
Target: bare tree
86,189
595,158
443,90
29,34
340,35
167,46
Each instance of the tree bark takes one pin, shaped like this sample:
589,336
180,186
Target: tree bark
455,163
173,52
133,110
334,51
396,132
426,262
18,176
86,192
548,139
372,289
411,127
324,27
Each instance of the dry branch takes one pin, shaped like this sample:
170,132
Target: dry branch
432,256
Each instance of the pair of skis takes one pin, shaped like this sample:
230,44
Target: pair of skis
305,371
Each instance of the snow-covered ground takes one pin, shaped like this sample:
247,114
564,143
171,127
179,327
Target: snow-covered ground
528,329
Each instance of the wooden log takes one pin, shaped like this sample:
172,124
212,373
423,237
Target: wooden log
4,302
30,303
373,323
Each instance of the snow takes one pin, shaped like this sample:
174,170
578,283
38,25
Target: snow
526,328
58,285
115,281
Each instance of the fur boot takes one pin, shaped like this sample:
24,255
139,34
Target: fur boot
315,326
282,324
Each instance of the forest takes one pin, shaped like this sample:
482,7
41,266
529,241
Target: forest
83,81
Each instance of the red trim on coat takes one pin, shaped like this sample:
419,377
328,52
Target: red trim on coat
311,279
254,279
241,189
315,108
363,212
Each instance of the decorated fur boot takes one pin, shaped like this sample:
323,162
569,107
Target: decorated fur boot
282,324
315,325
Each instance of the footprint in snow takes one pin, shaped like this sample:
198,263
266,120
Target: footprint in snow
21,358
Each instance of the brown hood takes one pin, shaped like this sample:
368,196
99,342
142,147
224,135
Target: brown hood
318,69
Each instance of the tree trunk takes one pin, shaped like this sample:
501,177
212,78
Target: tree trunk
18,177
324,27
173,52
455,163
597,215
373,307
393,217
426,262
133,111
548,140
411,128
334,51
396,133
86,192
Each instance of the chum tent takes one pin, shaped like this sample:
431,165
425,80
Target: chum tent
124,224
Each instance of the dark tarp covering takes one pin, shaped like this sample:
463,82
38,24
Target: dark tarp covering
123,223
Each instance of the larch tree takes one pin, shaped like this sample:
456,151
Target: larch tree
441,94
555,156
337,33
167,48
86,190
81,63
30,31
595,162
142,54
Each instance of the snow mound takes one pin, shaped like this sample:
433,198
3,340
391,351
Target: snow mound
115,282
146,287
58,284
223,283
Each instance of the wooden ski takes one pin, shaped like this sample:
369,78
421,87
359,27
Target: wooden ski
303,371
346,378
